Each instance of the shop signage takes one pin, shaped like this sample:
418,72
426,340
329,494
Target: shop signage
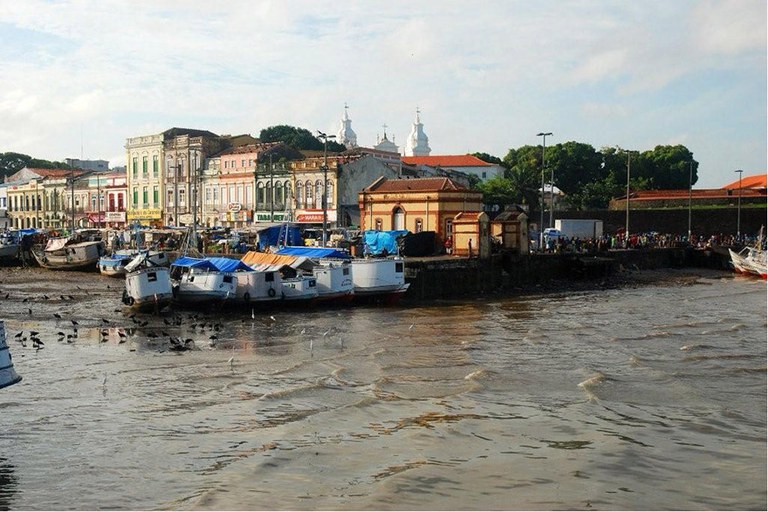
235,207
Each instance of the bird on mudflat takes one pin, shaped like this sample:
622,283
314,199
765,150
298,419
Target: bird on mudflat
74,322
57,315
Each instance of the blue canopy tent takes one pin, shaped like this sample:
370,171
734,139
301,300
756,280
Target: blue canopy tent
315,253
379,241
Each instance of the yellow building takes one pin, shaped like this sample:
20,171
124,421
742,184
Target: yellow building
418,204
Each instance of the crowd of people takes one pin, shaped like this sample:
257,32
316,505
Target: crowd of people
645,241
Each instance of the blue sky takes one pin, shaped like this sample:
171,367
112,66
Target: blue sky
79,77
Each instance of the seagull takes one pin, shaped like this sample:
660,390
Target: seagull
303,331
74,322
326,333
253,314
311,348
411,327
272,318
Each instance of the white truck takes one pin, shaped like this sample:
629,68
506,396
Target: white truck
580,228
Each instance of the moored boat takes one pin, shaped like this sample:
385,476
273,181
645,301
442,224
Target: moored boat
379,279
66,254
8,375
148,289
751,260
113,265
254,287
197,282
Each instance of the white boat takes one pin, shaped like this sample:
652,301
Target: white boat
254,287
197,282
8,375
751,260
334,281
113,265
10,245
330,268
379,279
148,289
65,254
301,289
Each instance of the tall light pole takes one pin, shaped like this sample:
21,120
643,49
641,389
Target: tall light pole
690,196
626,220
738,208
541,226
325,138
271,190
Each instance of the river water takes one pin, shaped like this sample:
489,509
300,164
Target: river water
651,397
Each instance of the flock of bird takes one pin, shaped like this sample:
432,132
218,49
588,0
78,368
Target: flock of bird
177,333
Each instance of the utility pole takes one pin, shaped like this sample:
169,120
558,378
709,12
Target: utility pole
626,221
325,138
690,196
271,190
543,167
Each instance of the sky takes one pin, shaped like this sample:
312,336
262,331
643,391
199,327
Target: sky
79,77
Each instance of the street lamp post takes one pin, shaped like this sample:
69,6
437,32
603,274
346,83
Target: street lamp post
72,197
626,220
271,190
690,196
325,138
738,208
541,226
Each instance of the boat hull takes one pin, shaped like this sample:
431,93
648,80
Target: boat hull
8,375
148,289
82,256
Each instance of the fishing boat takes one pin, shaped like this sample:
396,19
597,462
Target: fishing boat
379,279
330,268
254,287
147,286
113,265
298,286
197,282
65,253
10,245
751,260
8,375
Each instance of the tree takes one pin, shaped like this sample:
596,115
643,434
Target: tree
667,167
499,190
299,138
573,165
485,157
10,163
524,171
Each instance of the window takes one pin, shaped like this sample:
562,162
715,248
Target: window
329,195
484,174
419,226
152,277
378,224
269,277
170,201
155,166
145,197
299,195
318,194
135,167
207,195
398,219
226,164
308,202
135,197
242,162
448,227
155,196
144,168
182,197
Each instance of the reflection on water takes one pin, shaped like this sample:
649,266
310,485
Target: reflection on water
8,484
649,398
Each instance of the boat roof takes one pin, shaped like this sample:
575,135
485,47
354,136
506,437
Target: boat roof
272,262
314,252
203,264
228,264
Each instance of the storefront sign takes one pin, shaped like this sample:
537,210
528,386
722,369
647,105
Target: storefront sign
315,217
235,207
115,216
144,214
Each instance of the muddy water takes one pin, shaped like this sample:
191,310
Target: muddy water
643,398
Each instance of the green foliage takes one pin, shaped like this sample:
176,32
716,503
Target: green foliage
298,138
485,157
11,163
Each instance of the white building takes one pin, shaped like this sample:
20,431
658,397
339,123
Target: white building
417,143
346,135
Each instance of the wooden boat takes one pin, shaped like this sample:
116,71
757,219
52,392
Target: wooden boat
113,265
148,289
329,267
379,279
8,375
147,286
10,245
66,254
751,260
197,282
254,287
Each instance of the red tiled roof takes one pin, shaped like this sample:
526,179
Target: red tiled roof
446,161
54,173
757,181
709,193
415,185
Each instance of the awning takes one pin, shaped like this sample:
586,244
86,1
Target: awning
272,262
314,252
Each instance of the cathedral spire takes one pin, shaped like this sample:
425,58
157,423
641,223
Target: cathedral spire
346,135
417,143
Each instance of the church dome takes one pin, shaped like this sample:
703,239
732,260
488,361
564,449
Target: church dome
346,135
418,142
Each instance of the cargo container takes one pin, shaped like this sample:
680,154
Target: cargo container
580,228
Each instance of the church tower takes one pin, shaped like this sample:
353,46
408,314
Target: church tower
346,135
385,144
418,142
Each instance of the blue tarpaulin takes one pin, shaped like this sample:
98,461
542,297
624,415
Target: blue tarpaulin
379,241
279,235
228,264
315,253
186,261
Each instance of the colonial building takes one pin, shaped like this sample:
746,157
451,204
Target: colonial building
419,204
107,199
467,164
163,172
309,175
47,199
